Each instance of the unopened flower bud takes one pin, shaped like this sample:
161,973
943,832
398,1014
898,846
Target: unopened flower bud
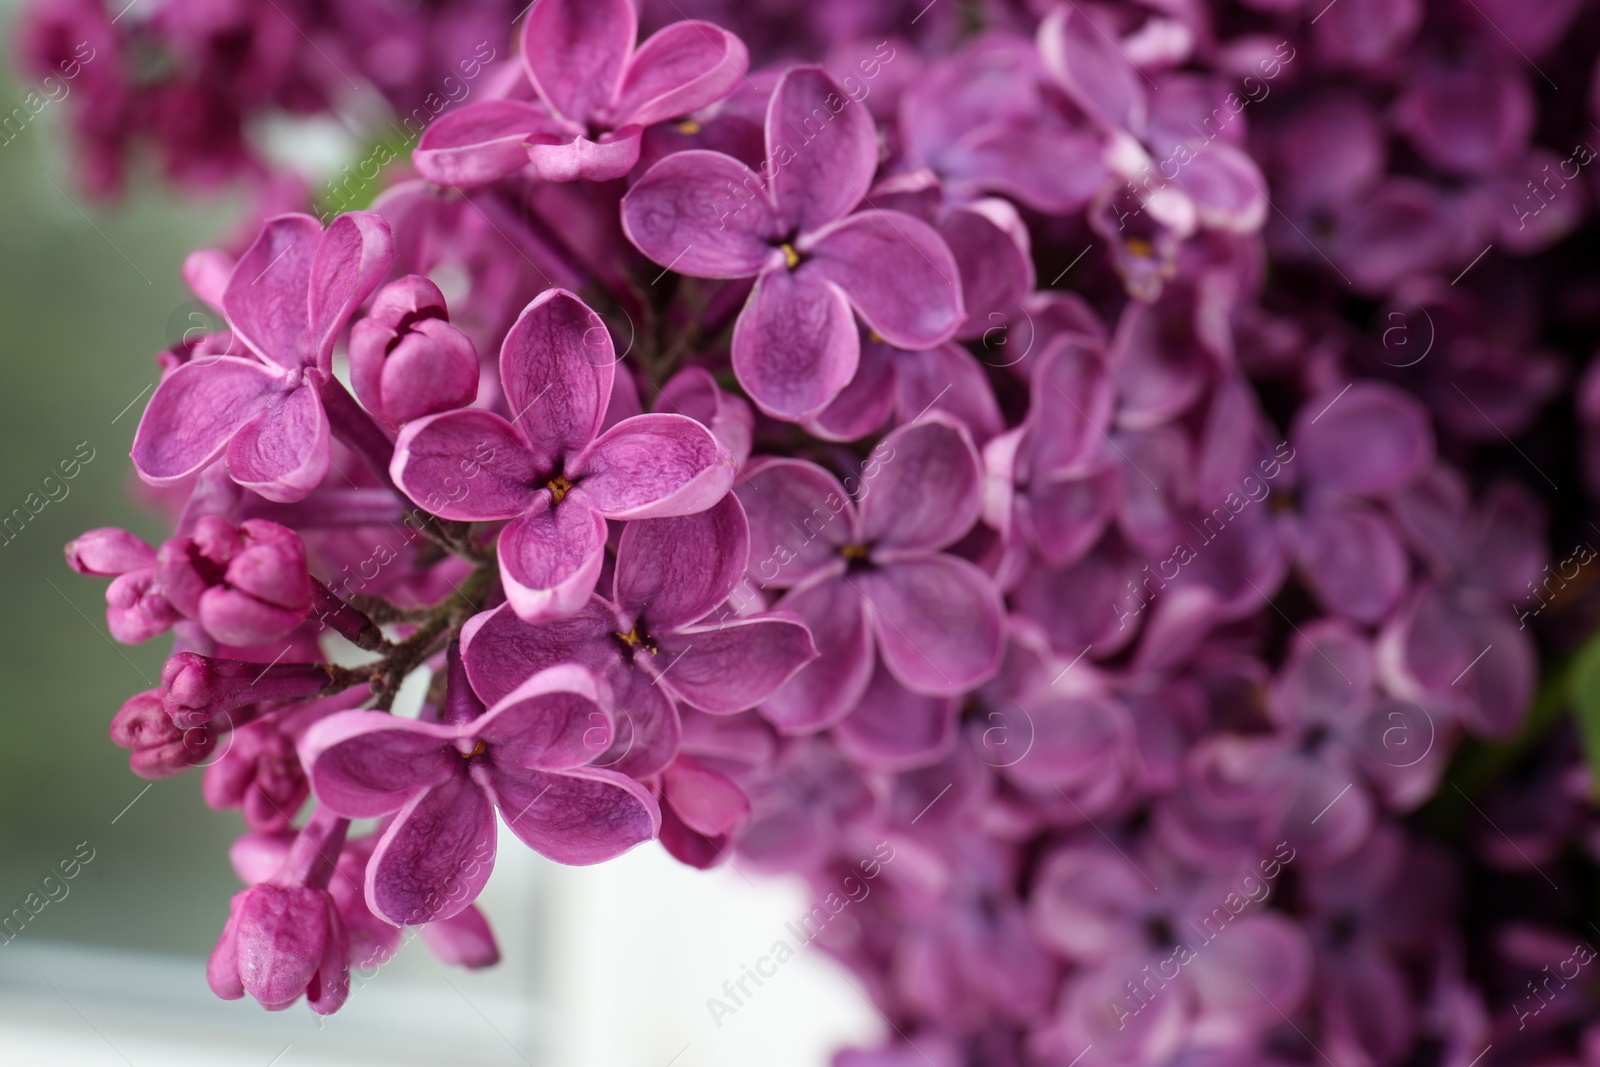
406,360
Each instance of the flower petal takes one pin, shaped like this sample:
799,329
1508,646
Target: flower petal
939,622
864,405
553,721
795,344
578,817
832,685
1354,560
283,453
195,412
468,465
352,259
550,559
948,378
925,491
1092,70
681,68
671,572
648,728
267,301
706,800
563,157
735,664
501,651
558,365
703,214
363,764
436,857
1373,439
799,516
898,273
575,52
894,729
479,143
823,146
653,466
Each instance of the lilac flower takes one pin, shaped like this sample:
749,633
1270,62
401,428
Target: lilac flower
137,609
659,639
287,300
549,468
284,937
865,569
791,227
525,756
598,94
246,585
406,360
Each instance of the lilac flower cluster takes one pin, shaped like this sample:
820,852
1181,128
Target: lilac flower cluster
716,447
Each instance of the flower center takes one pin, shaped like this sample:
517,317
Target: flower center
855,552
1140,247
790,257
559,487
635,639
477,750
689,127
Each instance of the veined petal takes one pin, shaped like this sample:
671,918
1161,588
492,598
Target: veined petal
799,517
735,664
550,559
563,157
283,453
822,147
653,466
480,142
195,412
501,651
681,68
795,344
939,622
552,721
363,764
267,300
671,572
864,405
575,52
468,465
557,365
927,487
436,857
897,272
894,729
832,685
352,259
703,214
577,817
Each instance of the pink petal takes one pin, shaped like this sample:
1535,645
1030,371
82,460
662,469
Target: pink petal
989,243
695,393
1071,379
363,764
735,664
577,817
1092,70
894,729
436,857
575,52
949,378
703,214
464,940
799,516
1068,517
938,620
795,344
832,686
1354,560
648,730
282,453
1227,189
550,559
653,466
671,572
195,412
1051,170
552,721
352,260
926,492
557,365
682,68
864,405
898,273
1245,977
267,300
823,146
479,143
562,157
501,651
469,465
706,800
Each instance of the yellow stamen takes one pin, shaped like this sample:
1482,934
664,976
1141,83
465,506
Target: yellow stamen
558,486
1141,247
477,750
689,126
790,256
854,551
631,638
875,337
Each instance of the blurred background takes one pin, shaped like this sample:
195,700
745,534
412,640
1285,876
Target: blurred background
609,965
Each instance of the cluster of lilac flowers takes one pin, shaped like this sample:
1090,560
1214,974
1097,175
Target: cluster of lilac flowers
1109,451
